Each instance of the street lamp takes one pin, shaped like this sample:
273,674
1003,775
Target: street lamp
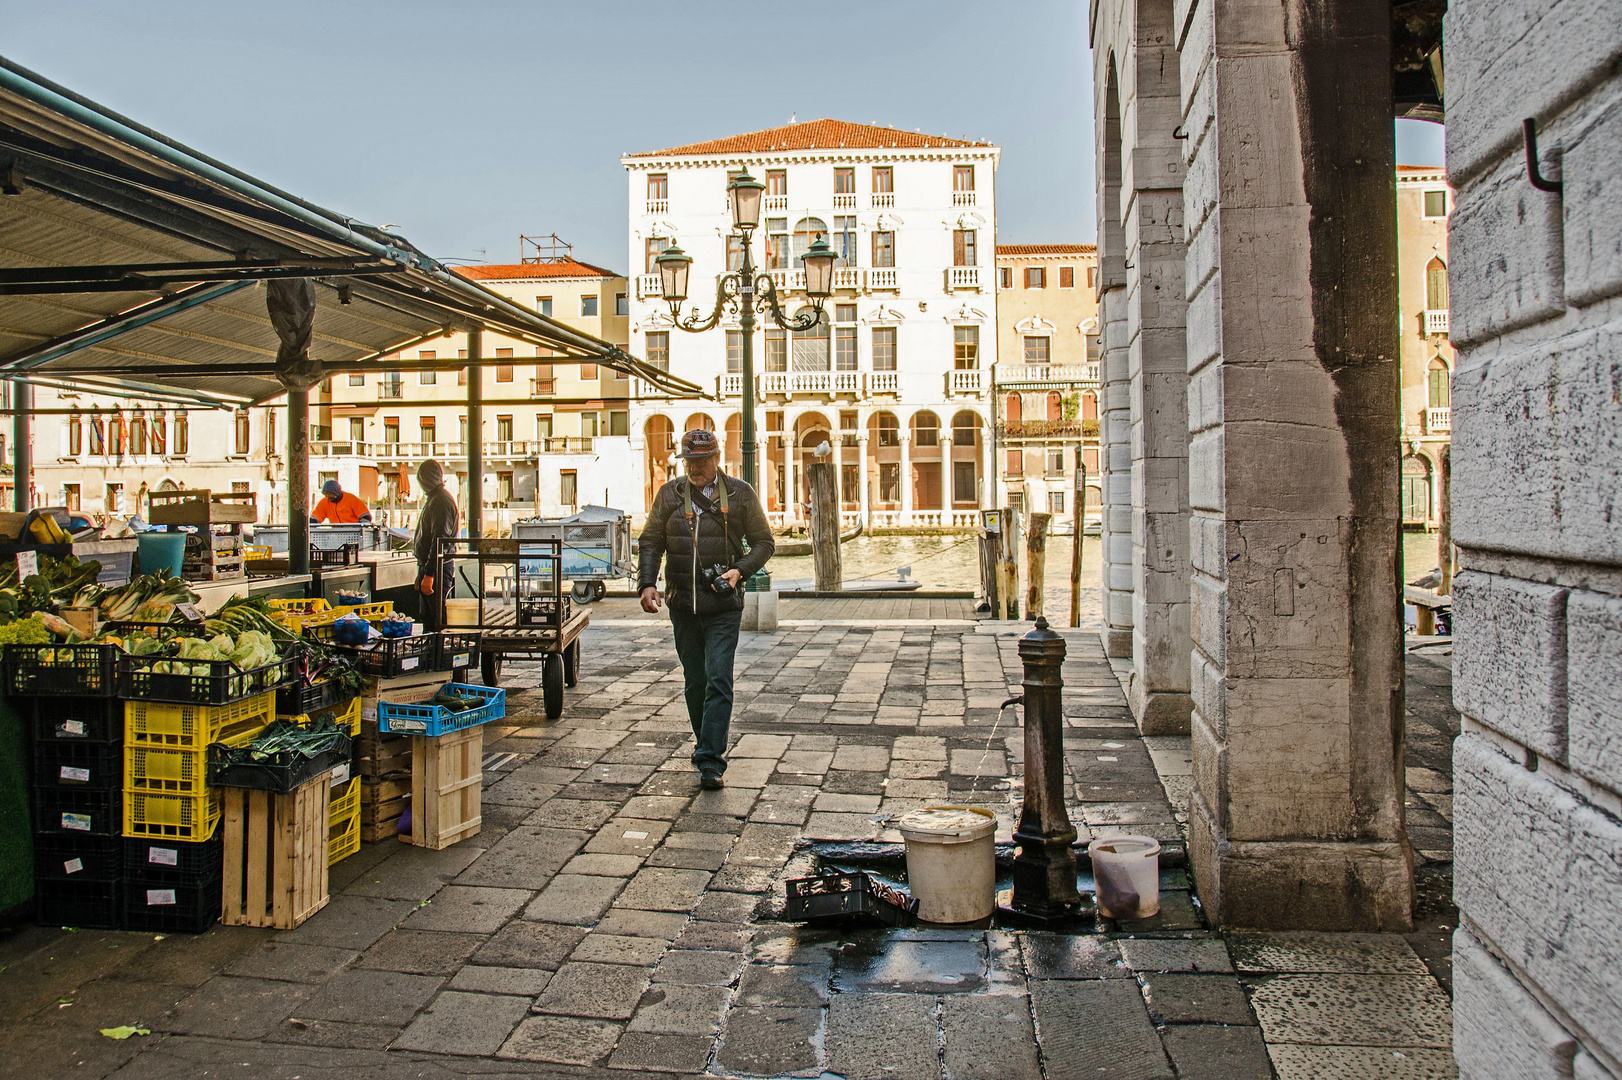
748,293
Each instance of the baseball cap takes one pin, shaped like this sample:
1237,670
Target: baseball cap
699,443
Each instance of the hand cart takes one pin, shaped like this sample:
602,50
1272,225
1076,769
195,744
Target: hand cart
529,617
596,547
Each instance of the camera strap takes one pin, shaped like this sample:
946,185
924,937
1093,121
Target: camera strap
720,504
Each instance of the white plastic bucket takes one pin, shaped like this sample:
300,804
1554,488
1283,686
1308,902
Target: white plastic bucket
1126,870
461,612
951,862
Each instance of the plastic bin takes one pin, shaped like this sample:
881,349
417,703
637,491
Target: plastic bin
1126,871
299,700
193,727
76,812
345,716
78,720
281,775
170,771
430,719
77,765
208,682
173,860
171,817
951,862
60,857
457,649
156,551
85,905
172,907
461,612
78,671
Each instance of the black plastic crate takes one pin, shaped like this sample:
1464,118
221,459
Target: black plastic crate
384,658
280,773
78,765
78,720
456,650
62,670
542,611
174,862
327,558
59,857
301,698
208,682
839,897
86,905
78,812
170,908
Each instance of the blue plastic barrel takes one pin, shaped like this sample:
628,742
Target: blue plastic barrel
157,550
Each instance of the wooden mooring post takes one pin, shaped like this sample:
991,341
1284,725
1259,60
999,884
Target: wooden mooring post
991,561
823,487
1036,563
1011,531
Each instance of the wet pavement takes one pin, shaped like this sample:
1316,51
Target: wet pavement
611,919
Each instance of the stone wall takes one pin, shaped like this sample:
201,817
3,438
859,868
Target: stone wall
1115,386
1536,283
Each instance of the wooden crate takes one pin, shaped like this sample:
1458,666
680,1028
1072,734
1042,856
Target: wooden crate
202,507
275,855
380,808
446,771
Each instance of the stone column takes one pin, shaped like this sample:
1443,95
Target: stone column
1114,394
862,483
906,475
1290,213
946,479
1151,208
837,438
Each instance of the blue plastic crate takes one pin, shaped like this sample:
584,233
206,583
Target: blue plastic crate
427,719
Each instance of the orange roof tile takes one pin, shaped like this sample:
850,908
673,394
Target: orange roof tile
1047,249
520,271
821,134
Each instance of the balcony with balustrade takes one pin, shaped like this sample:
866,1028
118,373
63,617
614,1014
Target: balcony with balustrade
1046,376
391,452
883,382
789,383
962,277
1438,421
964,382
648,287
658,206
1436,321
883,200
882,279
847,278
776,204
1043,429
540,388
786,281
962,198
844,202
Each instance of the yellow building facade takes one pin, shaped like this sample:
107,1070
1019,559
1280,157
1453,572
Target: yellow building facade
1424,202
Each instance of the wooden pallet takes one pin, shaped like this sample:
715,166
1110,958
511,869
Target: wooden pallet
446,774
275,855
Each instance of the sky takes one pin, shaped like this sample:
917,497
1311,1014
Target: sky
464,125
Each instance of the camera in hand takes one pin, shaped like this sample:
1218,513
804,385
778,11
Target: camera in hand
713,578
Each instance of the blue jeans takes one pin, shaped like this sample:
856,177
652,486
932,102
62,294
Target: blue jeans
706,644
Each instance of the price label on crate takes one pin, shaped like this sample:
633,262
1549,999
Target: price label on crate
72,727
27,564
160,897
340,774
189,612
73,866
73,775
76,822
163,856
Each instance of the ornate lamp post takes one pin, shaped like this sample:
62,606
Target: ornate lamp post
747,293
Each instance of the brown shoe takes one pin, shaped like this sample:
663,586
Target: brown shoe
710,781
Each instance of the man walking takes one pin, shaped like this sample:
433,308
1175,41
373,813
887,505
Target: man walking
701,521
438,521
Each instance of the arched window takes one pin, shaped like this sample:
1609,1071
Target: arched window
806,231
699,422
965,425
734,439
1441,389
1012,411
1055,406
1436,285
660,436
926,429
811,350
1416,489
889,429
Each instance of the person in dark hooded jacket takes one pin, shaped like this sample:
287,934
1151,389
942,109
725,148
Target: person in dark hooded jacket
438,521
707,527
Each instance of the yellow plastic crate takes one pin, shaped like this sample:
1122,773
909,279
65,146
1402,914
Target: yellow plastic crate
193,727
256,551
345,801
377,610
160,770
172,817
343,838
345,716
299,605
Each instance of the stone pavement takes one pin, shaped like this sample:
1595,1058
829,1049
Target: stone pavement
612,920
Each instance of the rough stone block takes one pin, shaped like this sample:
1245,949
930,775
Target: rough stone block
575,899
603,991
1207,457
662,1053
1533,443
1288,759
1510,658
561,1040
1508,264
1537,870
889,1035
1288,595
1594,687
1096,1028
1591,173
1366,1010
770,1041
1299,886
1499,1029
475,1025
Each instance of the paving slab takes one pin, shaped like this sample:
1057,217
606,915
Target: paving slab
421,952
655,807
412,873
337,1034
657,889
789,986
1177,998
699,967
1349,954
770,1041
989,1038
883,1037
1092,1028
1216,1052
627,949
1066,956
523,944
228,1007
601,991
474,1025
526,858
1362,1010
349,922
620,866
661,1053
631,922
574,899
901,966
1298,1062
561,1040
291,962
468,909
571,814
716,937
389,998
478,979
673,1009
1173,954
627,836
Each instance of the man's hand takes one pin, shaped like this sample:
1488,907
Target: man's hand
427,586
650,600
734,575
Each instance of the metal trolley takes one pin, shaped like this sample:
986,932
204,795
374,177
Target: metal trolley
596,547
522,611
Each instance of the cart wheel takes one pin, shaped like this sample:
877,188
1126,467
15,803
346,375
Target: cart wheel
552,685
490,668
581,592
571,663
599,589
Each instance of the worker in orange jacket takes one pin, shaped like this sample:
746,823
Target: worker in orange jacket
337,507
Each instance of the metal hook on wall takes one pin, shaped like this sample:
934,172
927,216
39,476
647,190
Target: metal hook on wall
1175,130
1529,127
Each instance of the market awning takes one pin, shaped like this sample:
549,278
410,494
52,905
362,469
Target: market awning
130,261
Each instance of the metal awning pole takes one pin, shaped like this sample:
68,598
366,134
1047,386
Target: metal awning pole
298,481
22,450
475,434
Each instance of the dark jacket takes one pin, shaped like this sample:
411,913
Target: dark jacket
669,532
438,521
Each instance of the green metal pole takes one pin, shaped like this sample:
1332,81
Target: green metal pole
475,434
22,449
746,325
298,481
